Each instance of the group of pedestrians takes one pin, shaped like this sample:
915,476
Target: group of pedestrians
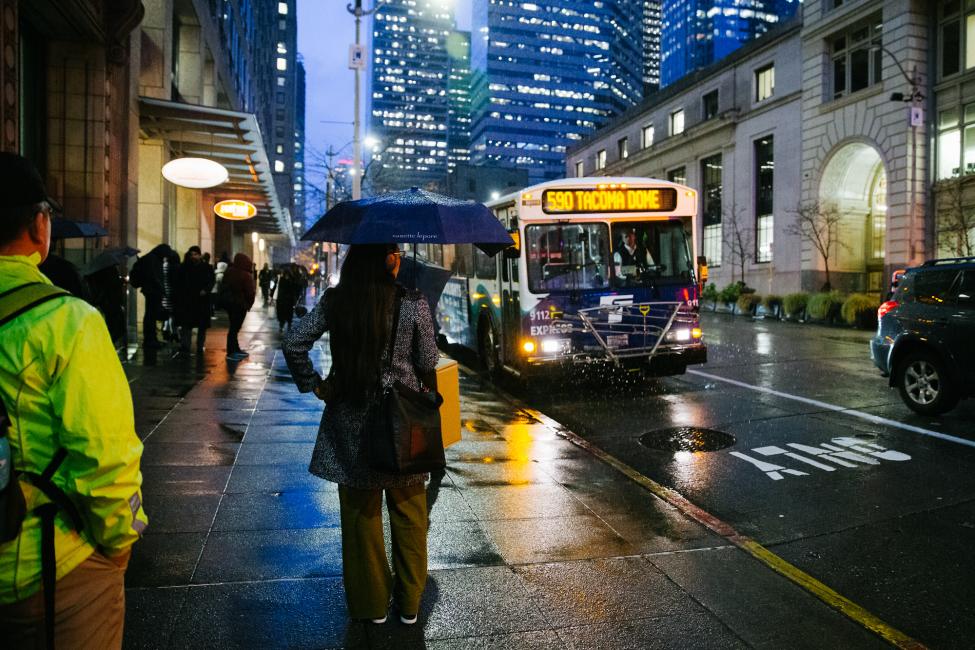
71,481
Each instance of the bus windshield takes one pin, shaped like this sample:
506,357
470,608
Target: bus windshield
567,257
646,253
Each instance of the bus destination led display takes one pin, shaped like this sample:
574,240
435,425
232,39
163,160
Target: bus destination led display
595,200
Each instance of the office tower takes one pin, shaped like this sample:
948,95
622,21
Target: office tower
407,103
299,141
697,33
546,73
459,99
282,132
651,45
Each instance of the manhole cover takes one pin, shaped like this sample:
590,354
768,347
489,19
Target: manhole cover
687,439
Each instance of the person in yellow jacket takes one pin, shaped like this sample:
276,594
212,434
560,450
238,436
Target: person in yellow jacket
66,395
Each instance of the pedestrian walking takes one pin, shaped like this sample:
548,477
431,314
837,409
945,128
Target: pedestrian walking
358,315
154,274
67,414
286,297
218,271
192,299
237,295
107,290
264,280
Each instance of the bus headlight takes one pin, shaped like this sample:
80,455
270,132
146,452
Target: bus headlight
697,333
679,335
528,346
555,346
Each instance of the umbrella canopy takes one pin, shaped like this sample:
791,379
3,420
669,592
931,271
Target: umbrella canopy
110,257
412,216
429,279
67,229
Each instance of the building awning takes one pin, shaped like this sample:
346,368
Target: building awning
231,138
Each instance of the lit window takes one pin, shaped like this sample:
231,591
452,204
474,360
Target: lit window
279,149
764,82
646,136
711,188
949,144
764,191
283,8
279,165
678,175
580,169
282,48
601,159
677,122
280,81
282,64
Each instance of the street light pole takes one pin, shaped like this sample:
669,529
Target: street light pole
358,12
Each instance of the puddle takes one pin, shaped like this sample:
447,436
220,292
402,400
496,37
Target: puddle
687,439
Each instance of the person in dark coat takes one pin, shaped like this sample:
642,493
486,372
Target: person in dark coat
287,296
264,280
192,299
107,290
358,314
155,275
64,274
237,292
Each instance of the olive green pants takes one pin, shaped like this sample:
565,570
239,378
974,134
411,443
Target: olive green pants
368,580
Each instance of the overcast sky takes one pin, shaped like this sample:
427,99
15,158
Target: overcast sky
325,31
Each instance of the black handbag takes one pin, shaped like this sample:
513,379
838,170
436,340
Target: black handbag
403,425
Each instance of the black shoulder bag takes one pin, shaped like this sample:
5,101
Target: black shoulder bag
402,425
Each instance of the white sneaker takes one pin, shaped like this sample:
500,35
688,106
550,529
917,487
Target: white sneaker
408,619
378,621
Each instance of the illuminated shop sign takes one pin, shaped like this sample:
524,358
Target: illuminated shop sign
590,200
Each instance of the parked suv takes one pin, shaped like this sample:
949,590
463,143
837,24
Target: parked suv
925,338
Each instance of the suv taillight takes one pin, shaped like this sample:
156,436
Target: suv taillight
886,307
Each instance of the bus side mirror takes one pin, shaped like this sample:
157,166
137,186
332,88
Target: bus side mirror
702,269
513,252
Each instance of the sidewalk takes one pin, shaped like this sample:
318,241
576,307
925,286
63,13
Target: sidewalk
533,542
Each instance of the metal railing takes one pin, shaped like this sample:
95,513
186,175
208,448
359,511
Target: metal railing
635,330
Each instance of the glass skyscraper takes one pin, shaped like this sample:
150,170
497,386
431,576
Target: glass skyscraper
548,72
696,33
651,45
459,99
407,102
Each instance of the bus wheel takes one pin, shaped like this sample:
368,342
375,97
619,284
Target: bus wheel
489,349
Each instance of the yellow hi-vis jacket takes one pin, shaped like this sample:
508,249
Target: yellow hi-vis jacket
63,386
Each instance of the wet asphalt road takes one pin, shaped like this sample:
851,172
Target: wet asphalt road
883,514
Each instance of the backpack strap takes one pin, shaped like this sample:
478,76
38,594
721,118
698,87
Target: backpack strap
21,299
48,512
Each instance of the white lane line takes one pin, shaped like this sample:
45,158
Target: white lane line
875,419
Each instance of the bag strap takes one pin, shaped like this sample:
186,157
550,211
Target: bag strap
391,348
21,299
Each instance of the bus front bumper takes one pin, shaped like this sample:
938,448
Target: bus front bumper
666,358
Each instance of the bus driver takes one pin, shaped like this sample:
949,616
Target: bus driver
631,256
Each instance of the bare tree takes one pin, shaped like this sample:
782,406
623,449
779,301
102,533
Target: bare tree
738,239
819,224
956,220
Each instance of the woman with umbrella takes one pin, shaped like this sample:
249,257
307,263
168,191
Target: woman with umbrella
358,314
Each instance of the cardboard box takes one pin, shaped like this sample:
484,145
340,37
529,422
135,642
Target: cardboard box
448,385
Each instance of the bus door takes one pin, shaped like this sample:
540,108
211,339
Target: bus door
510,309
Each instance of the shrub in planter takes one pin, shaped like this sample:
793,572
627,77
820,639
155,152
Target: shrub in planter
860,310
748,302
773,305
794,305
710,294
825,307
729,295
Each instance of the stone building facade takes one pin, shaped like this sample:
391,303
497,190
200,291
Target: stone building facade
713,131
849,107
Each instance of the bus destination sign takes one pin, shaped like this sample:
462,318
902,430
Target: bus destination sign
624,199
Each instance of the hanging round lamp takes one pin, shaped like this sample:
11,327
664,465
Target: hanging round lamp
195,173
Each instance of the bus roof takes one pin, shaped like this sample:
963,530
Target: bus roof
587,181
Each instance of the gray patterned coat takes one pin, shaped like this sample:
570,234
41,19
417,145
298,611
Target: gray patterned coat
338,456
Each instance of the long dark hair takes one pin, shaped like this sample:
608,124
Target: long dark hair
360,311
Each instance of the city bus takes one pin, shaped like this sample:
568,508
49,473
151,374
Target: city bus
603,273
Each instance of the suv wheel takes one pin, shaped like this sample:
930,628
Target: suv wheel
924,384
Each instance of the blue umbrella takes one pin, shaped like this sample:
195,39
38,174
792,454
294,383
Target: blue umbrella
412,216
67,229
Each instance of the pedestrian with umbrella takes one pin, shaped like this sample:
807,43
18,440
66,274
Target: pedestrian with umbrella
380,335
107,288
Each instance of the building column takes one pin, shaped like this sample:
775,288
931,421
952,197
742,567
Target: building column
190,64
